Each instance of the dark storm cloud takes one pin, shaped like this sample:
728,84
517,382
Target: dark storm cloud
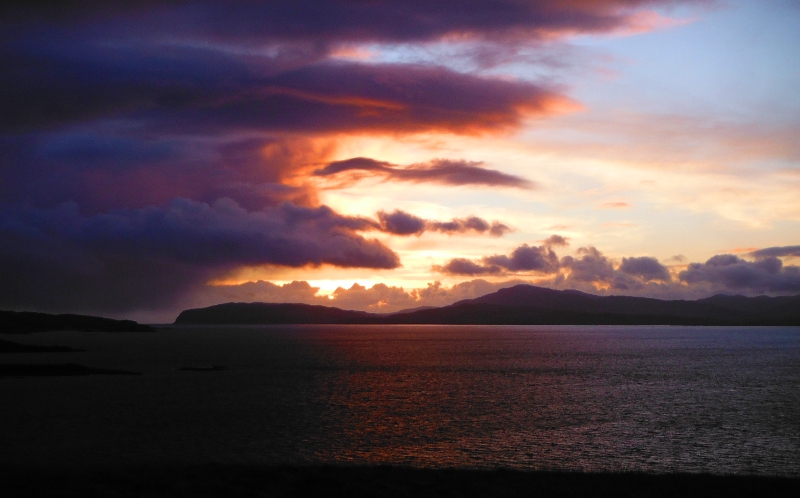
181,244
219,235
524,258
120,58
49,86
61,259
257,196
777,252
727,271
336,20
84,150
442,171
205,91
103,171
645,267
402,223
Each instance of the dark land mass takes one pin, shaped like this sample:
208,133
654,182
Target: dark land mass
14,347
66,369
525,305
258,313
24,322
389,482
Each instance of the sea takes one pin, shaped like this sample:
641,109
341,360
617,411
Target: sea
660,399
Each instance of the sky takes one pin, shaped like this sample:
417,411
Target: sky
385,155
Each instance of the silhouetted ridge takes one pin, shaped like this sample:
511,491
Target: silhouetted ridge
528,296
776,306
526,305
257,313
22,322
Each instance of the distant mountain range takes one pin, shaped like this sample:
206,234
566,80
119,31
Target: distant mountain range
524,305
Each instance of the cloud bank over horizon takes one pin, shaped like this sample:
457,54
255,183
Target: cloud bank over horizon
589,271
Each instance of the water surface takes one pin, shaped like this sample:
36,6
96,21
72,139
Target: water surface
656,399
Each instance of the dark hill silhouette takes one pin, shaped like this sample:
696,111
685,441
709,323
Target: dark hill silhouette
23,322
526,305
785,306
719,307
256,313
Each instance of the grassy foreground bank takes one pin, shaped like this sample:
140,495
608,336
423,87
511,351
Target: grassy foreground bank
357,481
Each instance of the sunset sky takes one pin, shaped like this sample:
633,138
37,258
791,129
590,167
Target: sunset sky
383,155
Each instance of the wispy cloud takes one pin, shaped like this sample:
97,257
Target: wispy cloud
777,252
442,171
615,205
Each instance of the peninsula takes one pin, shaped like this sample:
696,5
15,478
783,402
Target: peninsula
24,322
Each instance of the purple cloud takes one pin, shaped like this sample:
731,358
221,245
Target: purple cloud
106,176
463,266
187,240
402,223
777,252
591,266
331,21
129,129
556,240
646,268
204,92
472,223
727,271
218,235
524,258
443,171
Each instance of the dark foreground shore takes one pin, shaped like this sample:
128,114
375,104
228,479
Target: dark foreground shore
355,481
